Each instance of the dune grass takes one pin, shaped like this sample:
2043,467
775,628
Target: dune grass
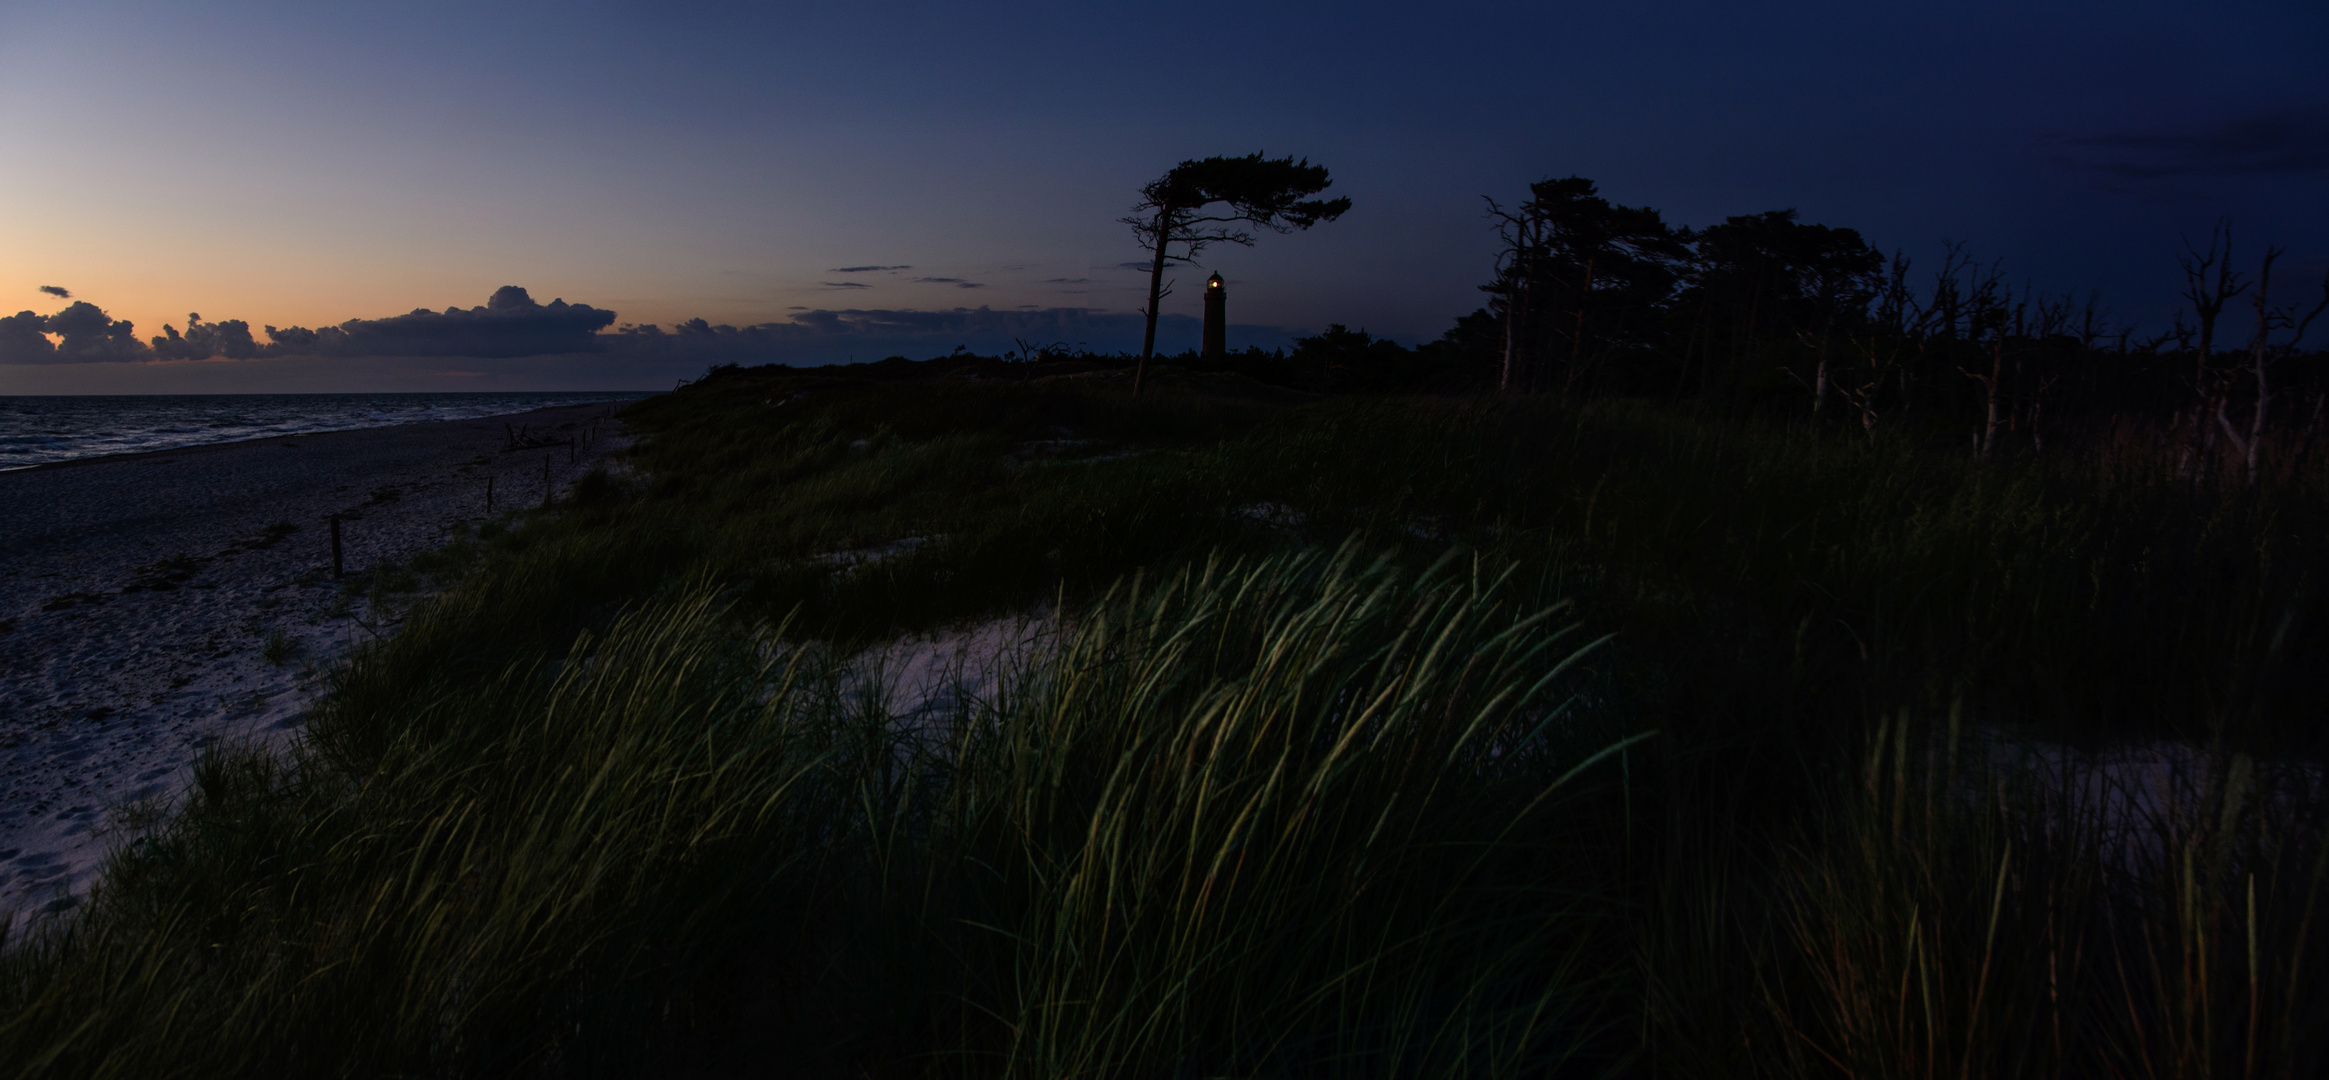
1393,737
683,840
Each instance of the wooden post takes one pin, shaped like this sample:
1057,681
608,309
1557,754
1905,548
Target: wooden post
336,571
545,480
489,495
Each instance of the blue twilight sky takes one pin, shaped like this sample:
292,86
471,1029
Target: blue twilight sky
308,163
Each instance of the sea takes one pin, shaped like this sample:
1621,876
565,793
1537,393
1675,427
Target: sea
46,429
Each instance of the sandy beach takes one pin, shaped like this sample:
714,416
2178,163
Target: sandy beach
140,591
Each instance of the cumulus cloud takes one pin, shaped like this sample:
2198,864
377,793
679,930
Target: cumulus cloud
2277,141
24,339
86,335
58,291
230,338
644,357
864,269
510,323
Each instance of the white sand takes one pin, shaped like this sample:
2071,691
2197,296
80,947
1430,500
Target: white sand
137,594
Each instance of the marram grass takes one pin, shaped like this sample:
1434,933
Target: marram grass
627,802
1297,815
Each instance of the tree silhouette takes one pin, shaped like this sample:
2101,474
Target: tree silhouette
1200,203
1580,278
1767,284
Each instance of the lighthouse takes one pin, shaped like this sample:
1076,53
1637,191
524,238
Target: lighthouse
1216,317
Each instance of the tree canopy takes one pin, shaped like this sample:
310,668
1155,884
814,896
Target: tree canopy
1219,200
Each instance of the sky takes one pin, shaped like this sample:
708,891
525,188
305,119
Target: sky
304,164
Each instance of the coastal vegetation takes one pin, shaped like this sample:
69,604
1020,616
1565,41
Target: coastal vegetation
1802,667
1368,733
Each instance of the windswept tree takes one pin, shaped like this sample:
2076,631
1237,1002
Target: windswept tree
1219,200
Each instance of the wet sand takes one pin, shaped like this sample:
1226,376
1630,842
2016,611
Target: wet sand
138,594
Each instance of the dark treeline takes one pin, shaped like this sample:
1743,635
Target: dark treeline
1591,298
1594,297
1766,312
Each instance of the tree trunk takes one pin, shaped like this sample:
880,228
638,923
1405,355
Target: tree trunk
2263,406
1997,369
1164,238
1819,378
1514,378
1577,337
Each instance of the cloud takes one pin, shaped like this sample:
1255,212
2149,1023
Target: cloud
230,338
58,291
845,285
954,281
1067,281
509,324
2278,141
87,333
1128,266
837,335
978,322
831,336
864,269
24,339
643,360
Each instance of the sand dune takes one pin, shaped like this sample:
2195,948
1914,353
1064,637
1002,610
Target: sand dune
138,594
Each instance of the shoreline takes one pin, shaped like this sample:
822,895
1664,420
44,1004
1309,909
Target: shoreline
143,590
517,409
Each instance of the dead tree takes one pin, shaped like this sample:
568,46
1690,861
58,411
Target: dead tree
2262,351
2209,283
1524,242
1901,330
1984,313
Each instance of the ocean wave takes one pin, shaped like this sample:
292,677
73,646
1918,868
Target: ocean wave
42,430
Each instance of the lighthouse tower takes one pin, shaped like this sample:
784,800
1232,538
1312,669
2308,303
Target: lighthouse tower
1216,317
